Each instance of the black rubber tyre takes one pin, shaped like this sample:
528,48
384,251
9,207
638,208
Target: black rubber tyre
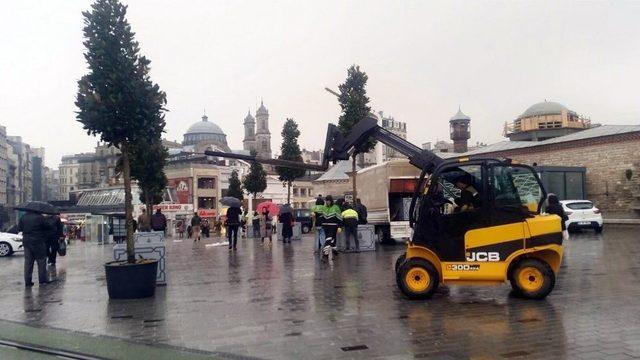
6,250
532,279
305,229
400,260
599,229
412,281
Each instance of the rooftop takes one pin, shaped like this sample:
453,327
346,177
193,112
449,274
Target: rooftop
599,131
337,172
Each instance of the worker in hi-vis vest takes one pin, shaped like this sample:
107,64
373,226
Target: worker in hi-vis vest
350,221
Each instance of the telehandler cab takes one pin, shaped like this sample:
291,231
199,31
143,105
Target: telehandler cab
474,221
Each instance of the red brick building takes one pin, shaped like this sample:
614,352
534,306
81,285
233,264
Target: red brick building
610,154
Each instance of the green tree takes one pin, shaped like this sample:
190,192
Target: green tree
116,98
354,102
235,186
256,180
147,166
289,150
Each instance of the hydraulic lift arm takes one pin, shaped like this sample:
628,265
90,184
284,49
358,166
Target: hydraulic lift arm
337,147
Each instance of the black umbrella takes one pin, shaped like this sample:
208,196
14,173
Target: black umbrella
38,207
231,201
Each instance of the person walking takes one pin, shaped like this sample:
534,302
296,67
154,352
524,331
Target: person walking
350,220
362,212
554,207
286,219
159,221
35,230
331,217
255,224
144,223
266,227
233,222
56,234
195,226
316,212
181,229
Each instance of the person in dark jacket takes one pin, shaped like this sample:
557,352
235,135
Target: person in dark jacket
195,226
362,212
233,222
159,221
35,231
255,224
554,207
286,219
56,235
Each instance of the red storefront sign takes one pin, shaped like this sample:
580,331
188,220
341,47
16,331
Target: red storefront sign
207,213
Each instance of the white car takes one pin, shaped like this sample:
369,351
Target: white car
10,243
582,214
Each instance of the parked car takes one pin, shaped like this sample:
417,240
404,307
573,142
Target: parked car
10,243
303,216
582,214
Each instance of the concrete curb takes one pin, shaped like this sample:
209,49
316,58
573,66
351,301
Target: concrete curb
622,221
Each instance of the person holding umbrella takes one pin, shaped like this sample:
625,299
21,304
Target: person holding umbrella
35,232
286,219
233,219
266,210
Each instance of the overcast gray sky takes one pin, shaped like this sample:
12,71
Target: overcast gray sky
494,59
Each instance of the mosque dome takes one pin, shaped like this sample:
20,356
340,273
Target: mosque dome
544,108
205,131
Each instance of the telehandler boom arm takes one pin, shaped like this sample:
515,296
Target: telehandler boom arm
337,147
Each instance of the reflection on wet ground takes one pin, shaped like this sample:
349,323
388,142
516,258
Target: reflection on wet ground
282,302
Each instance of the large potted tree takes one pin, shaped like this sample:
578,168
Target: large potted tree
118,102
290,150
354,104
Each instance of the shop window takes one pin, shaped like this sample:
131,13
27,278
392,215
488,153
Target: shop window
206,183
206,203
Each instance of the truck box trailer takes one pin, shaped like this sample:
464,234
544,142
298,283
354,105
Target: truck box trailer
386,190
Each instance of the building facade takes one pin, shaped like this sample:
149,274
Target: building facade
38,178
382,153
22,176
4,165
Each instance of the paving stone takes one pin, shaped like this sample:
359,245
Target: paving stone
283,303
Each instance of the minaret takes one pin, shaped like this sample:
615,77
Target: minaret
263,136
460,132
249,142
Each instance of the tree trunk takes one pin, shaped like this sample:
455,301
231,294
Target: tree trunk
288,192
148,204
126,174
353,170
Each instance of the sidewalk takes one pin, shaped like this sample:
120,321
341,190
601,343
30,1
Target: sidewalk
86,345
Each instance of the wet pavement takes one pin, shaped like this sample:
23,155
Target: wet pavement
280,301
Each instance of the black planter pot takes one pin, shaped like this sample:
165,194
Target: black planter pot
131,281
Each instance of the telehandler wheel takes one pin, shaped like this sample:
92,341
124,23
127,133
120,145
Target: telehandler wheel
532,279
400,260
417,278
